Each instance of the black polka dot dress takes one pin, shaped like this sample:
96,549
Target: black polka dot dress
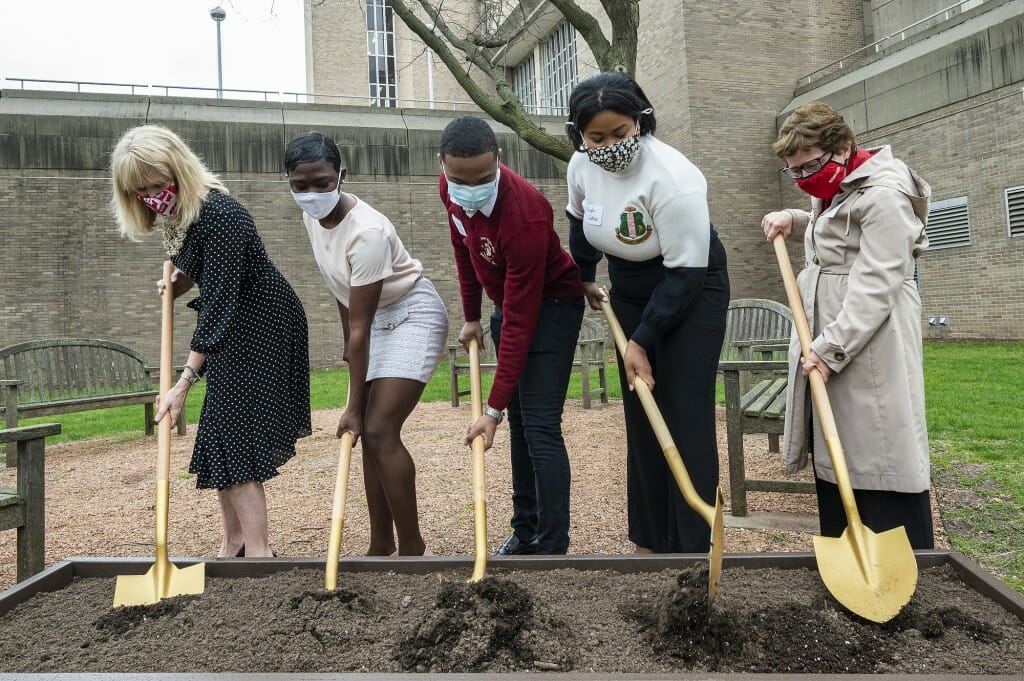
252,328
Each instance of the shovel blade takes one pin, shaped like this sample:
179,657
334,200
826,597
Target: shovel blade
161,581
717,547
873,575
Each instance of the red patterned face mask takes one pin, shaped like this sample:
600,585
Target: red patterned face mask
824,184
164,202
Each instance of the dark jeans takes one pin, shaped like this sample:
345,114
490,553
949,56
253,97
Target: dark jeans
540,463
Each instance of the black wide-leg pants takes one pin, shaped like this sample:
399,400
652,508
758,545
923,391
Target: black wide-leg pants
685,366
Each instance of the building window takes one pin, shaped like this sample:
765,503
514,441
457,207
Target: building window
524,83
545,91
1015,211
380,52
558,69
948,224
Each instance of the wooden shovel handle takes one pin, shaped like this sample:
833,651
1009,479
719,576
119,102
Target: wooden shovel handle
163,461
660,428
479,481
818,391
163,442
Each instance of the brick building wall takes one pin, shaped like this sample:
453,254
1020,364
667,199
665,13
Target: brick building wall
969,149
67,273
978,286
336,32
718,73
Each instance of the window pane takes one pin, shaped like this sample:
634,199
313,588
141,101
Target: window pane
524,84
371,16
558,68
380,53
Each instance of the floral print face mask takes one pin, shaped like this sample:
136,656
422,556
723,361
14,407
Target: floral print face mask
615,157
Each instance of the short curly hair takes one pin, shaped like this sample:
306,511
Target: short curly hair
468,136
814,124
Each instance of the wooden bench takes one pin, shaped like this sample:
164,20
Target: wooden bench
24,507
590,356
754,368
64,375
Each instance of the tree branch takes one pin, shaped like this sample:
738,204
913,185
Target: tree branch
507,108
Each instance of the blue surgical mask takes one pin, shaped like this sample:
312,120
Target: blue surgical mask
476,197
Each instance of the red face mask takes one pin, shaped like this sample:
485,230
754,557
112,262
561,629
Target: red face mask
824,184
164,202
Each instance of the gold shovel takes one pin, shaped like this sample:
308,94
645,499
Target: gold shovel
338,510
479,482
711,514
163,580
874,575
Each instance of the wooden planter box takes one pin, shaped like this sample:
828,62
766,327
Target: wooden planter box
60,575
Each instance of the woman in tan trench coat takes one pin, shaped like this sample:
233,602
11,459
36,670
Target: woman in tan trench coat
865,229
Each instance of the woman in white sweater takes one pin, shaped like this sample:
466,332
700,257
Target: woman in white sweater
644,205
394,326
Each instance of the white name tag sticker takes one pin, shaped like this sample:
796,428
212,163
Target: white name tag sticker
592,215
458,225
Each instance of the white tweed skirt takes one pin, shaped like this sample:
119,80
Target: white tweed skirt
407,338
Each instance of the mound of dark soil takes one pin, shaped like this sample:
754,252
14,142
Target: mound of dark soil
767,621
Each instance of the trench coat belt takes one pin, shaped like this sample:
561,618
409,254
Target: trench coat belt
844,270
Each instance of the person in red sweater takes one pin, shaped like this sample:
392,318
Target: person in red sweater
502,230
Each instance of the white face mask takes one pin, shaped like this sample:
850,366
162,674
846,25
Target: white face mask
319,205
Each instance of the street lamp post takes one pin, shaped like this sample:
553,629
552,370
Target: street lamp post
430,72
218,14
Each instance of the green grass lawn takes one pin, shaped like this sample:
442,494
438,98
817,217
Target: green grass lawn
976,424
327,388
975,421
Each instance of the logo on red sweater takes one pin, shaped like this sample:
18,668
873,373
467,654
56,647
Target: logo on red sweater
632,228
487,251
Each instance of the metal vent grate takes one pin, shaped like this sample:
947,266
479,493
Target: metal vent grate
1015,211
948,224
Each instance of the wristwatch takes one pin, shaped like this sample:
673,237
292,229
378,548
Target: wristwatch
498,416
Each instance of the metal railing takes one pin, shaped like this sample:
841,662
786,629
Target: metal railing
152,90
878,45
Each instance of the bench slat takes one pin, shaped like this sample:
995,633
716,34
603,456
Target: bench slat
767,397
78,372
84,404
754,394
777,409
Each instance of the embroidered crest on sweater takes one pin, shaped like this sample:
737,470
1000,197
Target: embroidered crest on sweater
487,251
632,228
